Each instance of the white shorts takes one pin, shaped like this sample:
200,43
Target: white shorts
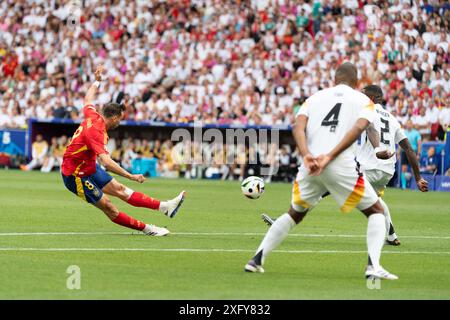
378,179
348,187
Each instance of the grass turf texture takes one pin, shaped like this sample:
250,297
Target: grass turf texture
329,267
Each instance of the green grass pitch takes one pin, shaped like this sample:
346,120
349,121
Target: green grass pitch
44,229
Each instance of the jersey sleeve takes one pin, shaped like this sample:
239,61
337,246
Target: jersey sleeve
367,110
95,140
304,110
89,111
399,134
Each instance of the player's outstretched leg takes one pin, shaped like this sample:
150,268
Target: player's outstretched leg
123,219
269,220
376,232
277,232
391,236
171,207
138,199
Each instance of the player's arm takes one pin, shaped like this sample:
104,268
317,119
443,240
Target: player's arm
350,138
422,184
374,138
299,133
111,165
92,91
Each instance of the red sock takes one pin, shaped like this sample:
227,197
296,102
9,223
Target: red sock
138,199
124,220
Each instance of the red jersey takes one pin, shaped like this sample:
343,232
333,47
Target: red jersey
87,143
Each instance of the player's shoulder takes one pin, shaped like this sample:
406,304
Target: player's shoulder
91,112
346,93
89,109
320,95
95,123
382,111
388,115
359,97
325,91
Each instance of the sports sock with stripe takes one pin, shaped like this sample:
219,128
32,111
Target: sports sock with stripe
389,226
277,232
376,232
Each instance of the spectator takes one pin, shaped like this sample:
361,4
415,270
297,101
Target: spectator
444,117
55,154
244,62
39,153
128,156
422,124
430,163
416,144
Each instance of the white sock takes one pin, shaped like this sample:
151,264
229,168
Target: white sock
376,233
276,234
163,206
387,216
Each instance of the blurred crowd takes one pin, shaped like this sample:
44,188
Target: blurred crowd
226,62
189,159
182,159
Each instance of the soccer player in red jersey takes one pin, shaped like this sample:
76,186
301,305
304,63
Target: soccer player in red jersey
84,177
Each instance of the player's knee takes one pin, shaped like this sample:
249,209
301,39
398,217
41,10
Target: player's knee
120,187
120,191
109,209
376,208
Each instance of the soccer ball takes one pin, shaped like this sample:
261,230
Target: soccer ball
252,187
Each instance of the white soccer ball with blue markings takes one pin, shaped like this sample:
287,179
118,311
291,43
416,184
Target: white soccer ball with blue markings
252,187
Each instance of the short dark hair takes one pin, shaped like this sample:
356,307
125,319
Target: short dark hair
374,92
346,73
112,109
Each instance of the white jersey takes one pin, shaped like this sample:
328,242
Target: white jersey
331,114
390,133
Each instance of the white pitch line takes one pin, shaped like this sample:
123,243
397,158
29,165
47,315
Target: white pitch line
6,234
300,235
214,250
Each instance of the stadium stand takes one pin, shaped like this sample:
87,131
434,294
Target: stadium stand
227,63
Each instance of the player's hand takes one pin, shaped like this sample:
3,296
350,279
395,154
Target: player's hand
422,185
138,178
384,155
310,163
98,73
322,162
